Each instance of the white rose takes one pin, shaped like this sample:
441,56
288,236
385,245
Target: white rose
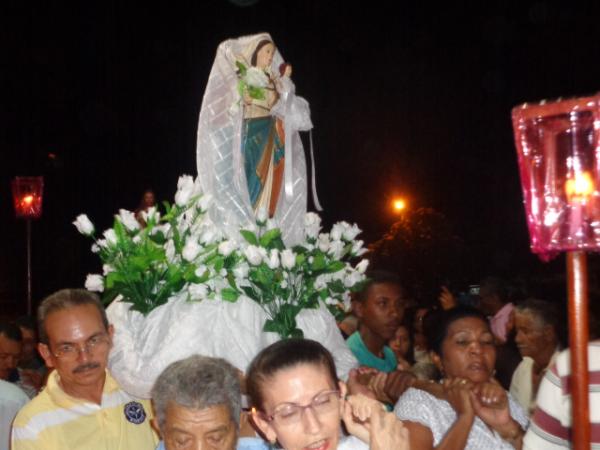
110,236
273,259
164,228
96,247
205,202
128,219
283,284
151,213
261,216
335,249
331,301
185,189
94,282
361,267
312,225
256,77
137,239
106,269
323,242
198,291
208,236
241,272
253,255
84,225
337,231
227,247
288,259
200,270
350,232
321,282
357,248
190,249
170,251
353,278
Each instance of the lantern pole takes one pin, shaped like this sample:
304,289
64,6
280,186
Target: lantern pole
578,339
29,267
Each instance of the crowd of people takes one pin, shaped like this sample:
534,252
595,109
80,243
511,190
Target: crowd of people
482,373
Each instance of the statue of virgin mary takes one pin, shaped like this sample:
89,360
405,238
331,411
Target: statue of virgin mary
249,152
251,161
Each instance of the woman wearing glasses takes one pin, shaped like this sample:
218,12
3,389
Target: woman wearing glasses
299,403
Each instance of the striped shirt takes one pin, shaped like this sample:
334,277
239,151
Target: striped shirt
551,422
56,421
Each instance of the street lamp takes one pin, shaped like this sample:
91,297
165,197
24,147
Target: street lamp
398,205
558,146
27,198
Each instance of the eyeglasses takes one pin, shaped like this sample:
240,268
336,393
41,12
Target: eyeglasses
70,352
291,413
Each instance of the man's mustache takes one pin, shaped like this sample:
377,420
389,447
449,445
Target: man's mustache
85,367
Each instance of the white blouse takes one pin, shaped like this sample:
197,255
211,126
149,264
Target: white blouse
438,415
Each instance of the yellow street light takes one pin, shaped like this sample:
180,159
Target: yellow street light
399,205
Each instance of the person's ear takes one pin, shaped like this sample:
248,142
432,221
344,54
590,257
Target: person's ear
264,426
111,332
45,353
154,425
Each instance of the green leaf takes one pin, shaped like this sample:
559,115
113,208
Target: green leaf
337,286
219,262
229,294
112,278
158,238
256,93
249,236
335,266
269,236
318,262
241,68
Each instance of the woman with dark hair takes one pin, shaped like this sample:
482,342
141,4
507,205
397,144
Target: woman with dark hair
472,411
298,403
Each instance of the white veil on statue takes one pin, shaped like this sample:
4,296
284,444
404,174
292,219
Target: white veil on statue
219,147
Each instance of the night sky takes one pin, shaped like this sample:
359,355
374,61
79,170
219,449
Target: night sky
103,99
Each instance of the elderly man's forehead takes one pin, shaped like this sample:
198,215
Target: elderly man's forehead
209,414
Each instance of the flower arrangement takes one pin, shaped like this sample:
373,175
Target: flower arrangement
252,81
182,255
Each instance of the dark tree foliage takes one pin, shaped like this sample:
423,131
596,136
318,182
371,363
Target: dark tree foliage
422,248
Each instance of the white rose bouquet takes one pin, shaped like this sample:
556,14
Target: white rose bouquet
183,255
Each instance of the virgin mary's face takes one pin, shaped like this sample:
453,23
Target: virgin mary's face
264,57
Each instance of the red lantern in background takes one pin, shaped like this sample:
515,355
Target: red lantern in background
27,197
558,146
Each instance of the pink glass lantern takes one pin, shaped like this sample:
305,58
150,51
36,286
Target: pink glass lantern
27,197
558,145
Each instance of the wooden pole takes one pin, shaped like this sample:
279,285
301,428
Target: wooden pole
28,267
578,340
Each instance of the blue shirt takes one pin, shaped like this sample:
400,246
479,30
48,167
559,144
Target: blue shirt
386,364
244,443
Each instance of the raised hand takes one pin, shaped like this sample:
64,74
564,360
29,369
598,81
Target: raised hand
459,394
368,420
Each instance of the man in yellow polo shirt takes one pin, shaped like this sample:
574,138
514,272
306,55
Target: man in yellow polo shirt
82,406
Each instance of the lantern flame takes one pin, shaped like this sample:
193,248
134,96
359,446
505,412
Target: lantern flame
580,187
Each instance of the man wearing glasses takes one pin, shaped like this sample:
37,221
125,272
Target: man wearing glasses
82,406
